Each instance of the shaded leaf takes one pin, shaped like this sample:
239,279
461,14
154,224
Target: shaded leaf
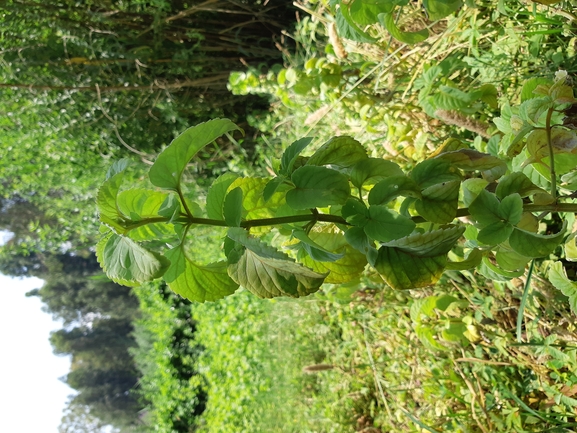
558,278
339,151
390,188
317,187
439,203
385,225
371,170
535,245
232,209
388,21
291,154
217,193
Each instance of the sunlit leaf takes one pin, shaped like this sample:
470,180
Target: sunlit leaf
339,151
195,282
232,209
558,278
438,9
517,183
388,21
291,154
217,193
167,170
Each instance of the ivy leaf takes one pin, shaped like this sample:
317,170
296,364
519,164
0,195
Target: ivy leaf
517,183
345,269
535,245
433,171
372,170
339,151
390,188
125,260
439,203
167,170
291,154
387,20
558,278
268,273
195,282
232,209
216,195
317,187
385,225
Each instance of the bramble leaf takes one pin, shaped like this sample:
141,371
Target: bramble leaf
167,170
339,151
317,187
217,193
372,170
195,282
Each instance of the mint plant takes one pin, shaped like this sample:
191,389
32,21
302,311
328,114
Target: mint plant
325,216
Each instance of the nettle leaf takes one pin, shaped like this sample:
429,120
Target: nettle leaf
558,278
385,225
387,20
195,282
439,203
232,210
392,187
517,183
217,193
430,243
268,273
291,154
125,260
433,171
372,170
345,269
438,9
535,245
339,151
253,200
167,170
317,187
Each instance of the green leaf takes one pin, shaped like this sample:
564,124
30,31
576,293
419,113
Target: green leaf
385,225
167,170
217,193
509,260
429,244
106,201
433,171
558,278
470,160
365,12
117,167
438,9
291,154
253,200
532,110
405,271
317,187
372,170
471,261
511,208
125,260
347,28
355,212
140,204
195,282
427,336
535,245
268,273
517,183
439,203
530,85
339,151
391,187
314,250
494,272
495,233
387,20
343,270
232,210
485,208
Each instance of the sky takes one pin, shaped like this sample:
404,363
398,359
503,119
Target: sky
32,397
